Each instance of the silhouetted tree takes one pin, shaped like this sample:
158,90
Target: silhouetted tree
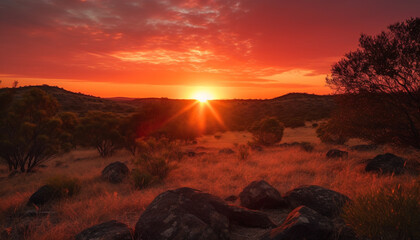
381,86
101,131
268,131
30,130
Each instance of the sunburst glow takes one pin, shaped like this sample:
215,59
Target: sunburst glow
202,96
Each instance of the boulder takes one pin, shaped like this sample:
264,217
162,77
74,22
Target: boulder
335,153
386,163
302,223
325,201
112,230
261,195
187,213
43,195
305,146
231,198
115,172
226,151
364,147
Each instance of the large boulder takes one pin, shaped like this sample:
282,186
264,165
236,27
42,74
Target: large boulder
302,223
386,163
261,195
112,230
43,195
335,153
115,172
325,201
187,213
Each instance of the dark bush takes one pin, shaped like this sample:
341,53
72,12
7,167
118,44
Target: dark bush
268,131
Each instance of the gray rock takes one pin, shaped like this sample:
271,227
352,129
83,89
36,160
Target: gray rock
302,223
364,147
115,172
386,164
226,151
261,195
187,213
112,230
325,201
335,153
43,195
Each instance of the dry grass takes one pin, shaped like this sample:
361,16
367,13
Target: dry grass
219,174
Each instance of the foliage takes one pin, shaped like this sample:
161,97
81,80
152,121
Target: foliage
31,131
243,151
390,213
141,178
330,133
268,131
381,86
64,186
156,155
101,131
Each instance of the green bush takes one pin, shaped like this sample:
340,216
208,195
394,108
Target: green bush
390,213
141,179
268,131
331,134
64,186
156,166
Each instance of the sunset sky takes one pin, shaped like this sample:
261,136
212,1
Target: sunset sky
176,48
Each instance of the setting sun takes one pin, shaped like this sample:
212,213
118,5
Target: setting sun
202,96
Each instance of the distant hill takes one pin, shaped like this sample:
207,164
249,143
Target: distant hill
78,102
292,109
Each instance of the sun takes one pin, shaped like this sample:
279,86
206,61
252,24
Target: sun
202,96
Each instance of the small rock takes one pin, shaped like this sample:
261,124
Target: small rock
335,153
325,201
302,223
386,164
306,146
112,230
115,172
364,147
226,151
43,195
261,195
231,198
191,154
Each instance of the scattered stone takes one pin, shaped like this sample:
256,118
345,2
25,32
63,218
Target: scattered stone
191,154
325,201
187,213
43,195
335,153
305,146
231,198
261,195
115,172
112,230
226,151
364,147
302,223
386,163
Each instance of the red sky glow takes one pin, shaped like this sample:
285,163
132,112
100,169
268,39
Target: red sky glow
174,48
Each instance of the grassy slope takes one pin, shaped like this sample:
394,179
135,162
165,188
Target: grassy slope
222,175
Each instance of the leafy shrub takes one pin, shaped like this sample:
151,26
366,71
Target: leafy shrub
64,186
268,131
156,155
329,133
390,213
141,179
243,151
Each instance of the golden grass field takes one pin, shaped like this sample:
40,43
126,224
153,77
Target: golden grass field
219,174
